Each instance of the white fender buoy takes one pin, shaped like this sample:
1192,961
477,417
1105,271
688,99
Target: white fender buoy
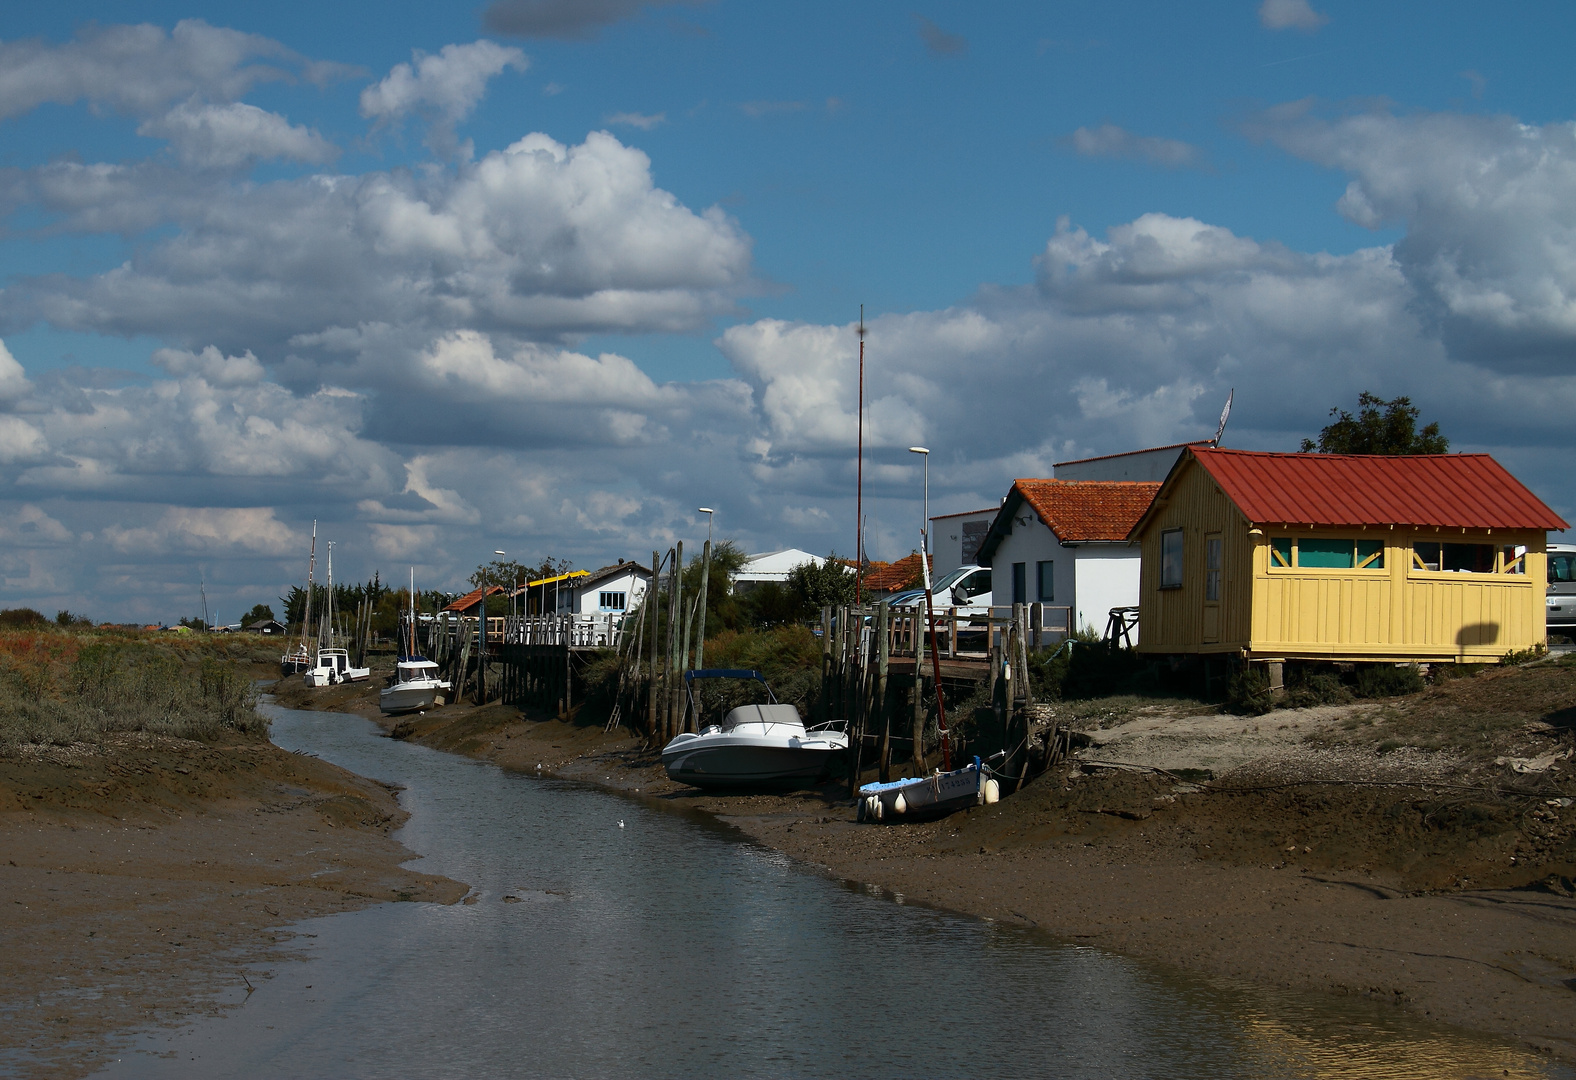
900,804
992,791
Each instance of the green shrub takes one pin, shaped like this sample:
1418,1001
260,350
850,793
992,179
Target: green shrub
1248,691
1523,656
1310,685
1388,680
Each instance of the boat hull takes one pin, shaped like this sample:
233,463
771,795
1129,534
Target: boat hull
718,760
410,697
928,796
295,665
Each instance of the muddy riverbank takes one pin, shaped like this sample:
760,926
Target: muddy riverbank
142,872
1407,894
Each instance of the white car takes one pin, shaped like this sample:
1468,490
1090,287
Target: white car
1561,598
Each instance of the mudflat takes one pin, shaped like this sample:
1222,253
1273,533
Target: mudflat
141,874
1321,857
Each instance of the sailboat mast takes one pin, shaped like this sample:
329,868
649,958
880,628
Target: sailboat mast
311,567
859,496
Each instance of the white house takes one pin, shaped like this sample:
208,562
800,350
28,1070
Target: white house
772,566
1065,542
611,590
955,539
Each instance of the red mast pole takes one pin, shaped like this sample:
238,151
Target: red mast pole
859,497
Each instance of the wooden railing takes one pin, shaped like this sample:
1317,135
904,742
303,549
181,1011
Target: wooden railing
973,634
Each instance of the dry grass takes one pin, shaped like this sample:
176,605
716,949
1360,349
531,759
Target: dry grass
60,687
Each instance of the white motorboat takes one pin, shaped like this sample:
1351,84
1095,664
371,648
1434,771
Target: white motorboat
333,667
415,684
754,746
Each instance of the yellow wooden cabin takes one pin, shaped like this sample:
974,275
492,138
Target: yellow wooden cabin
1342,557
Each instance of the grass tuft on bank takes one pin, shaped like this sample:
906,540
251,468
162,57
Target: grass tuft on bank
59,687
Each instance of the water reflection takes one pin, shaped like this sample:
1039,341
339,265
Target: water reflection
669,948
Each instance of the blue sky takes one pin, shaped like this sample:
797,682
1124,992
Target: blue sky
321,271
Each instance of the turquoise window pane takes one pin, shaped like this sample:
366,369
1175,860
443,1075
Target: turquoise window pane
1330,554
1370,548
1280,551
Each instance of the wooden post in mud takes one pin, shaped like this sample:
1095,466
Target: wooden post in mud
826,662
883,629
651,669
675,614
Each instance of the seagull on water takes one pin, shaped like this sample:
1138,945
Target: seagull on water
620,823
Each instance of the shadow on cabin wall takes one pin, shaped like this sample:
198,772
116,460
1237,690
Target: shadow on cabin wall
1484,633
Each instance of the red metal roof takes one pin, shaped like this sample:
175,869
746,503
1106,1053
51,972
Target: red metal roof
1471,491
1080,511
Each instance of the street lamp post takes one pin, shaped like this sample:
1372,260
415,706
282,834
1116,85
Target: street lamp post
705,578
924,452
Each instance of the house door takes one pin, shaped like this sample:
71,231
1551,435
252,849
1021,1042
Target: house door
1212,561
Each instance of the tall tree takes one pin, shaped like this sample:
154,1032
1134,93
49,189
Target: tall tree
1380,427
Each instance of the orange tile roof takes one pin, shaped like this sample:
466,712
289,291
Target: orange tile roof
890,577
1081,511
470,599
1471,491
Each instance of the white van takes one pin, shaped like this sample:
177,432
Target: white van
967,588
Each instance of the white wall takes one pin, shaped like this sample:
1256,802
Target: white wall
1030,542
946,539
1150,465
1107,578
1090,578
586,600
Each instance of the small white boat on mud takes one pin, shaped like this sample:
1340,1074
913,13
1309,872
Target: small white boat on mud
920,797
333,667
754,746
333,662
414,685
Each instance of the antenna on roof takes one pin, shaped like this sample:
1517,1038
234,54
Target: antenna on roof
1224,413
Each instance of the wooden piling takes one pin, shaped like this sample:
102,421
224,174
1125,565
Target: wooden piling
884,646
651,670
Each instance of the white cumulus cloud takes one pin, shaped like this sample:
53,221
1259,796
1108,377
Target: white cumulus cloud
1290,15
223,136
140,69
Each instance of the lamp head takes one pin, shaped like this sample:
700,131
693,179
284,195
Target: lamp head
705,510
496,552
919,449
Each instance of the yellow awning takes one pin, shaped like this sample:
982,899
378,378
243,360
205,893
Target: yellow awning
560,577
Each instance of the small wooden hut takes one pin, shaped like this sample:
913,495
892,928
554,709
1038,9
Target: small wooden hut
1341,557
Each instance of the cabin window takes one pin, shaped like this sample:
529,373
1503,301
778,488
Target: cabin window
1045,573
1020,583
1454,558
1513,560
1212,567
1171,559
611,601
1326,553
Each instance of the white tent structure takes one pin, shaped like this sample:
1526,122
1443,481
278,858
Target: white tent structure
772,566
